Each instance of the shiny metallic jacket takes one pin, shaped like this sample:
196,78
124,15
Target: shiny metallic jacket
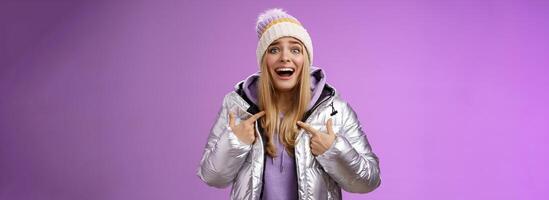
348,164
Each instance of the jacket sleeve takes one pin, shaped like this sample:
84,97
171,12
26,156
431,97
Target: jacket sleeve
224,153
350,160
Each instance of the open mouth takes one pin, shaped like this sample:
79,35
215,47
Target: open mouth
285,71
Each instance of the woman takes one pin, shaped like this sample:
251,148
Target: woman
284,133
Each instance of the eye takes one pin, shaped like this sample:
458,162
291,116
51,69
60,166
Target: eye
296,50
273,50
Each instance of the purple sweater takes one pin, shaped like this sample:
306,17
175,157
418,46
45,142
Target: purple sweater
280,178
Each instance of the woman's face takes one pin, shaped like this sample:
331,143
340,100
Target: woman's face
284,58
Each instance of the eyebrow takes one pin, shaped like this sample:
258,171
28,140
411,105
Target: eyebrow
278,42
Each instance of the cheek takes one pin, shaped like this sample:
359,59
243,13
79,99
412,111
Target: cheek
299,61
299,64
270,58
270,61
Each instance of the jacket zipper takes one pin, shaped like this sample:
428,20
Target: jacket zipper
310,113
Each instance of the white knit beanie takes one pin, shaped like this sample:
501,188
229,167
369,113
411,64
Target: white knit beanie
275,23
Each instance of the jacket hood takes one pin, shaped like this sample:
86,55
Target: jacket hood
248,86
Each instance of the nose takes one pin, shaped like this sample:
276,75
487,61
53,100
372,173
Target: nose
285,57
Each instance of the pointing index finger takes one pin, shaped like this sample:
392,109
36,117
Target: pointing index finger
255,117
308,128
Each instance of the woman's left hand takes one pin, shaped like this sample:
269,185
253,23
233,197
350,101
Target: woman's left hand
320,142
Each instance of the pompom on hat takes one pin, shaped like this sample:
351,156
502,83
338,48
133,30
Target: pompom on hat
276,23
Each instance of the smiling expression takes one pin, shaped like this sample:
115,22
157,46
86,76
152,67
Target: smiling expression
284,59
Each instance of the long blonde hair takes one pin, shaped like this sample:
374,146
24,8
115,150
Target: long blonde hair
268,97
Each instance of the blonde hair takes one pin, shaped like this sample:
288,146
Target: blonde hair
268,98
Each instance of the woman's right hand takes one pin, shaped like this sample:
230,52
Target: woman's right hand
245,130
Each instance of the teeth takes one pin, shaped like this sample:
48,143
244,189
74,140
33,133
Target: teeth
282,69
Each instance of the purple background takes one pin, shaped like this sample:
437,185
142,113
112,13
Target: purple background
114,99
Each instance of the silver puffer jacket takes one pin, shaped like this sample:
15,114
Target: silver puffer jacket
348,164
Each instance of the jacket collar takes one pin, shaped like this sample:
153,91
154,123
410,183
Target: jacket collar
327,92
